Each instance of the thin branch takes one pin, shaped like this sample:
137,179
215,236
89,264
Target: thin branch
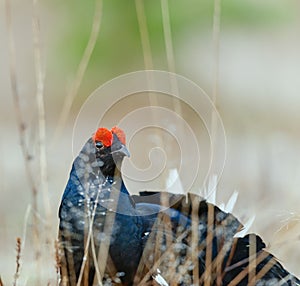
157,262
88,241
209,244
16,100
103,252
142,21
41,115
239,277
145,39
168,35
148,60
25,225
18,258
57,261
21,126
216,66
195,240
216,49
81,70
170,53
252,262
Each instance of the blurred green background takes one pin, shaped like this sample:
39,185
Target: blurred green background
258,99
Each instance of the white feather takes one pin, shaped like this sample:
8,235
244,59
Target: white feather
159,279
231,202
246,228
211,191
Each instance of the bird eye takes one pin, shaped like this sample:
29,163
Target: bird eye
99,145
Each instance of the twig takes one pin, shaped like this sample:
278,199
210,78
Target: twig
145,40
238,278
148,59
168,35
195,240
216,67
57,261
26,217
170,54
41,116
18,258
216,48
262,272
81,69
209,244
103,252
21,125
156,264
88,241
252,262
141,16
16,100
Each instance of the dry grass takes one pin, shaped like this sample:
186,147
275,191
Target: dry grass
18,257
26,151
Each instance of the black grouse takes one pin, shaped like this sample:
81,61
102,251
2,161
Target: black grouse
108,237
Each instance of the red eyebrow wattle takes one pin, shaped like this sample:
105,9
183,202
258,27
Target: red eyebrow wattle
103,135
120,134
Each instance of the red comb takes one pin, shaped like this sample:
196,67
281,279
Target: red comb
103,135
120,134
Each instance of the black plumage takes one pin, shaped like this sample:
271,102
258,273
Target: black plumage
232,260
108,235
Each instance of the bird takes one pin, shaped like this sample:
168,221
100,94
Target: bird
110,237
95,199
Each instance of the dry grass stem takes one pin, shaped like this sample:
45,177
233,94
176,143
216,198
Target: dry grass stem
216,66
80,70
98,278
18,258
103,253
146,47
16,100
216,48
209,239
39,75
57,261
263,255
22,126
262,272
142,22
87,241
168,35
252,263
26,218
195,240
170,55
156,263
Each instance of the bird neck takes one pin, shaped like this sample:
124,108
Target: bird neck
124,198
117,178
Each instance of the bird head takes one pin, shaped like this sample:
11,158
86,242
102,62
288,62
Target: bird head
110,149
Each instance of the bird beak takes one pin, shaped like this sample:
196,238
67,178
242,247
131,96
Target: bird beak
122,151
